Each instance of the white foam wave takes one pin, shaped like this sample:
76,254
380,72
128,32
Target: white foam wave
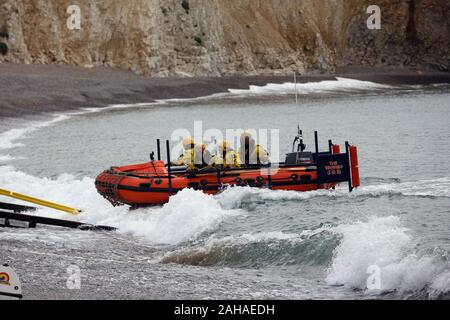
237,196
422,188
338,85
385,243
5,158
187,215
8,138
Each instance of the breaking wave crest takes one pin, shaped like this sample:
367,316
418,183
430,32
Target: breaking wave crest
257,250
347,249
338,85
384,243
188,215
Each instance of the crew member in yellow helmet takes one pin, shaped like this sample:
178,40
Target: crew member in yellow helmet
250,152
187,158
202,157
226,157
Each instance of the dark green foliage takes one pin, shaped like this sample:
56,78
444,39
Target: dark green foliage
185,5
198,40
3,48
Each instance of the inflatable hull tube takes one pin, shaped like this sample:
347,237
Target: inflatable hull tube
149,184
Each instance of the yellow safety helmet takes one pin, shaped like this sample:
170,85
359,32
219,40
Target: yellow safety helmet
188,143
246,135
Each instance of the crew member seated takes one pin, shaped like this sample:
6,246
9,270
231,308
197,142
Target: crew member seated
187,158
232,159
202,157
252,153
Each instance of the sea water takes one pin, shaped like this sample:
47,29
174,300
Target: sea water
243,243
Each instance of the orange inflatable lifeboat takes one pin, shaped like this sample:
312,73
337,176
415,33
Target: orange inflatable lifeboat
153,183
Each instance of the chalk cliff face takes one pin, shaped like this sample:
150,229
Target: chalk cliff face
225,37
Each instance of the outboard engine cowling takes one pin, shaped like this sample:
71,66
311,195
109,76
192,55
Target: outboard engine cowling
297,158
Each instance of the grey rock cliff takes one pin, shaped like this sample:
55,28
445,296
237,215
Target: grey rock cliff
227,37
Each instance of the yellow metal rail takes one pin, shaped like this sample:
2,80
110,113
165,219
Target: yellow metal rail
40,202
